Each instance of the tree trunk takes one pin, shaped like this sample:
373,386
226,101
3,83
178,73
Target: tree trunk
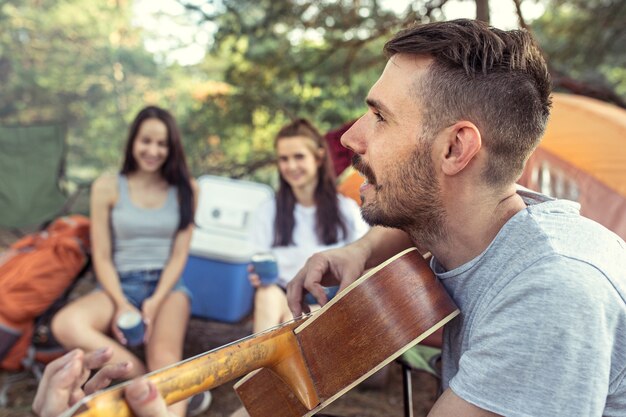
520,16
482,10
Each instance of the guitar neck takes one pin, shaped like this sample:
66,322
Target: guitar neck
177,382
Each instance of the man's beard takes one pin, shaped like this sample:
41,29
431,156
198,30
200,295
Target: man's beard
409,199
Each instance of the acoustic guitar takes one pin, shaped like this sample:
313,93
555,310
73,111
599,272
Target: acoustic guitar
300,367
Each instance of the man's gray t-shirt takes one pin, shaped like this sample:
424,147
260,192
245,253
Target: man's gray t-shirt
542,330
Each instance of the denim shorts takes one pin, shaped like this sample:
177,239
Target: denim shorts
139,285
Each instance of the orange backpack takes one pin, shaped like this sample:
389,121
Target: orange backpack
34,273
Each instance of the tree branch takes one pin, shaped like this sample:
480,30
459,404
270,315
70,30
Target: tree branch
560,80
520,17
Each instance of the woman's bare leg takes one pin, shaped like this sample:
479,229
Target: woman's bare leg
270,308
85,323
165,346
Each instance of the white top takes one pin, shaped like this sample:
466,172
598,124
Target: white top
306,243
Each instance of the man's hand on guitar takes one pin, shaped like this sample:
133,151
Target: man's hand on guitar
62,384
341,265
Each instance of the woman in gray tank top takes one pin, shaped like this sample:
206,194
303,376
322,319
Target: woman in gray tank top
141,224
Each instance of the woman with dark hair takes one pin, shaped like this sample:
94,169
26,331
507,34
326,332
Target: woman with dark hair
308,215
141,223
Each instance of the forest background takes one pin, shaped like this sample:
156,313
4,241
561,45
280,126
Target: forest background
89,65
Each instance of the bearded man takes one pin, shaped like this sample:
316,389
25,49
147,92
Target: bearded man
450,124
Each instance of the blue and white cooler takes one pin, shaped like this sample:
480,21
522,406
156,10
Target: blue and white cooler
217,269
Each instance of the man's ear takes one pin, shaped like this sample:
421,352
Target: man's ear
463,144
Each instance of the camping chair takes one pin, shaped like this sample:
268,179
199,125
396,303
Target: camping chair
33,186
420,358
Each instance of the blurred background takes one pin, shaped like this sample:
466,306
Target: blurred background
75,72
233,71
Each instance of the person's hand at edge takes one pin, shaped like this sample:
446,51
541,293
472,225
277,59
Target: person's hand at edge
60,386
62,382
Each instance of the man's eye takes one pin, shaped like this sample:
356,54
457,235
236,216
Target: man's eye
379,117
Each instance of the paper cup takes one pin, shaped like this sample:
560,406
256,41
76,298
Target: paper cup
131,324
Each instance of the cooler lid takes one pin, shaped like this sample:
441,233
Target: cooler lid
220,248
225,210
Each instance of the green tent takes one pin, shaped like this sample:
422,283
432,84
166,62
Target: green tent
31,167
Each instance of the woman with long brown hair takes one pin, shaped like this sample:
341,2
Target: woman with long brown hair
141,223
307,216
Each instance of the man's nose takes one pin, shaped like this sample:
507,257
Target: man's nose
353,139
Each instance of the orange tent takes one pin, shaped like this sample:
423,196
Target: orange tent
582,157
349,182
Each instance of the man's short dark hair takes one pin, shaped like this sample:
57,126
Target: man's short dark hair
496,79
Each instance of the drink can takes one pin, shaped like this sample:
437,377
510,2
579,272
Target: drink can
131,324
266,267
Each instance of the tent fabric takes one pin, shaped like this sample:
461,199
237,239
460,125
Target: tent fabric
31,165
349,183
591,136
340,156
582,157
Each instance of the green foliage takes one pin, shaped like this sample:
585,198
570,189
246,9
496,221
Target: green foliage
287,59
82,62
585,39
75,61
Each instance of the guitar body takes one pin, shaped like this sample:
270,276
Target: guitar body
381,315
300,367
